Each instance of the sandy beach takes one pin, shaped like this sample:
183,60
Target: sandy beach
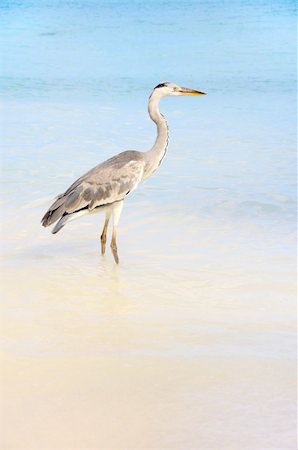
187,339
190,342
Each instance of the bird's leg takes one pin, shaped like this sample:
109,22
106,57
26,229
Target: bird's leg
114,247
103,237
117,208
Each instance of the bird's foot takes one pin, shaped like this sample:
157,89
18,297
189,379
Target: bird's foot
115,253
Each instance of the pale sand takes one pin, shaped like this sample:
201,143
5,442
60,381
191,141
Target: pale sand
188,344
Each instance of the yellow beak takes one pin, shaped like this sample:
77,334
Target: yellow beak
186,91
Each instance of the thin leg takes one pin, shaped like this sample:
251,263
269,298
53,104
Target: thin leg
117,208
103,237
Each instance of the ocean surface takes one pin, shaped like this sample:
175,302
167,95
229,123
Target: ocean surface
190,342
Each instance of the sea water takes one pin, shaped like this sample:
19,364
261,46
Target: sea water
189,342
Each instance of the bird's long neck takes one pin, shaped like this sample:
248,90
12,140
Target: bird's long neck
158,151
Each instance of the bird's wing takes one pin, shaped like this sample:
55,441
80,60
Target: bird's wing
106,183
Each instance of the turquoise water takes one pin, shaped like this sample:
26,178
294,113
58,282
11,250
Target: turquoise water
78,74
190,342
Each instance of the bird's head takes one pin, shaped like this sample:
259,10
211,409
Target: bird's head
166,89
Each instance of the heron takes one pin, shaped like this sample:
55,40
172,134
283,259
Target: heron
105,187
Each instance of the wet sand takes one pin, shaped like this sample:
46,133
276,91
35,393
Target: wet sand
188,343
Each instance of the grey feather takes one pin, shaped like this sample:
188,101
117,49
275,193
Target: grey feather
59,225
106,183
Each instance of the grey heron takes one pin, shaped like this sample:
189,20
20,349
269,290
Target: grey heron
106,185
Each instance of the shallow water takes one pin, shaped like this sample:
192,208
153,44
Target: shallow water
190,341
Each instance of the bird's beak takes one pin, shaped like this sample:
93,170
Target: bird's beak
186,91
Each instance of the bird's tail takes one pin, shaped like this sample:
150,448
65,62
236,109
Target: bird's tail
60,224
58,212
68,218
55,211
